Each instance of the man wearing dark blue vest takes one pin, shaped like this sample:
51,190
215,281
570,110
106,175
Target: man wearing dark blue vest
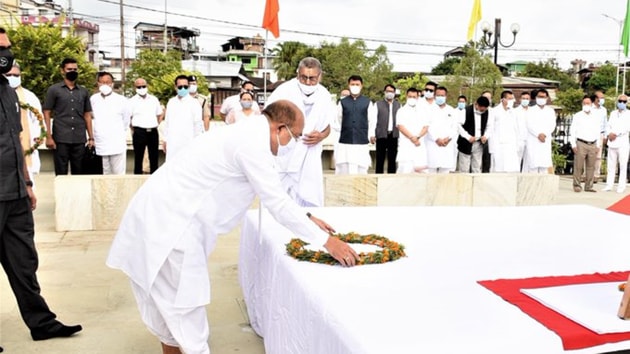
357,118
472,136
386,131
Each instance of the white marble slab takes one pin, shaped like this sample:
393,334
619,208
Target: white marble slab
73,203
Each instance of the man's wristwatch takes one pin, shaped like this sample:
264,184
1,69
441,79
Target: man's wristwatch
309,215
29,183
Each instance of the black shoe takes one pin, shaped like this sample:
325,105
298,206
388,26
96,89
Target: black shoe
1,350
60,330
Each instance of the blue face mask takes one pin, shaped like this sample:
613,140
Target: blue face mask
182,92
621,106
440,100
461,105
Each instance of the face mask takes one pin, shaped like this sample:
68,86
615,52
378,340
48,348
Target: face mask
541,101
620,106
428,94
412,101
306,89
510,103
14,81
440,100
389,96
72,75
586,109
182,92
192,88
284,150
525,103
601,101
355,90
461,105
105,89
6,61
246,104
141,91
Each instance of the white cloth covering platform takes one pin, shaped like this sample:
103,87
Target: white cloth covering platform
429,301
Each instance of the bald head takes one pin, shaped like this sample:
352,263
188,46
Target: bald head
284,112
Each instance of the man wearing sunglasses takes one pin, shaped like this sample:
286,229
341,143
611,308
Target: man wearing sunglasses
146,115
183,119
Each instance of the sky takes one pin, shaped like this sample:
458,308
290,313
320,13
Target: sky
416,33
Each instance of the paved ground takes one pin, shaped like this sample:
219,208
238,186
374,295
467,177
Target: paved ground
81,289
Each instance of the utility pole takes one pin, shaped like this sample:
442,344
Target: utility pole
122,48
165,28
620,23
71,17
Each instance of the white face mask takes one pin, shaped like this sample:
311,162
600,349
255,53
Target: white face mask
389,96
192,88
525,102
355,89
428,94
586,109
306,89
14,81
141,91
541,101
105,89
412,101
284,150
510,103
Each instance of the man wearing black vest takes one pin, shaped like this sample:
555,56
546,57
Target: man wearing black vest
357,116
472,136
386,131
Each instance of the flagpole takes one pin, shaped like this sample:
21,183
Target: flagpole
266,64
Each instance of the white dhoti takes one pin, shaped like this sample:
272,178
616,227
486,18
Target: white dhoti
183,327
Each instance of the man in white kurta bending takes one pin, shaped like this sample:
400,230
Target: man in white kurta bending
442,134
413,124
357,118
617,130
172,223
301,171
504,137
541,122
110,121
183,119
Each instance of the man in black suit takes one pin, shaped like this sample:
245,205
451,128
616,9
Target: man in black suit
472,136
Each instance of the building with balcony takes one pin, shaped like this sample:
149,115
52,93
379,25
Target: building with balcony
160,37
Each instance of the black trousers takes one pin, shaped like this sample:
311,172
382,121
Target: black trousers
145,138
486,159
20,261
386,147
72,153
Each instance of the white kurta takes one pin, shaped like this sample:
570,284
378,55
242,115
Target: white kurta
238,115
619,124
183,123
442,124
192,199
356,154
539,120
110,122
301,171
233,103
34,127
504,141
144,111
414,119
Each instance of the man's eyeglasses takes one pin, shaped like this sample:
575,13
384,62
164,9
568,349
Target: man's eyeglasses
429,90
143,86
622,101
182,87
306,79
291,134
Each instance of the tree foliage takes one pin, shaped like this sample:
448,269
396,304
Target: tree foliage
604,78
40,50
550,70
287,57
483,74
446,67
569,100
416,81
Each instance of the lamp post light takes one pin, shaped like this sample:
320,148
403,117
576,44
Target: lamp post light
620,23
493,42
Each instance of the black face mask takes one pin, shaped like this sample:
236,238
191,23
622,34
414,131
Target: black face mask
72,75
6,60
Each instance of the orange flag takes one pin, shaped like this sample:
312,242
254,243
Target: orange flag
270,21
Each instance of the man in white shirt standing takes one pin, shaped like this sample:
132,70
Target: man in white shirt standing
541,122
442,135
585,130
600,111
413,125
301,170
183,119
617,130
146,115
110,115
521,119
504,138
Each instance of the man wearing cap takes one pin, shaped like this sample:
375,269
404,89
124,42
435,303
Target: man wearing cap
203,100
146,114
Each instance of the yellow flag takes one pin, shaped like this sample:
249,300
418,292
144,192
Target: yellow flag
475,17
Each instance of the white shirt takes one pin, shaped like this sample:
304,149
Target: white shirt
413,119
110,122
144,111
183,123
585,126
234,102
619,124
236,115
540,121
443,124
193,199
34,127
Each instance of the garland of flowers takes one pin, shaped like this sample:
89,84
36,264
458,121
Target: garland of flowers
391,250
42,127
621,287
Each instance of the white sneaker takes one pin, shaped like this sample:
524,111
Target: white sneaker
607,189
621,190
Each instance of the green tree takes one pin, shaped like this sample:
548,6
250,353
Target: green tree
416,81
287,56
569,100
550,70
446,67
40,50
604,78
473,75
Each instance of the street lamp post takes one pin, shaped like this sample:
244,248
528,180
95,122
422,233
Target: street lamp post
494,42
620,23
